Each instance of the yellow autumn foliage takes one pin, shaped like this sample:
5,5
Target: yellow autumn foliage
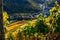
49,20
5,17
52,9
59,10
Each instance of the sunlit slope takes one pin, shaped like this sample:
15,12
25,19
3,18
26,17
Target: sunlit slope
15,25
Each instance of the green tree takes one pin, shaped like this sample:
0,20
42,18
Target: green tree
40,25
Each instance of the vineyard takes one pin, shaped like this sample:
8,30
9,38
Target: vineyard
39,29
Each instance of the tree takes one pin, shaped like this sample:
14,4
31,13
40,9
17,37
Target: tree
5,21
5,17
40,25
55,14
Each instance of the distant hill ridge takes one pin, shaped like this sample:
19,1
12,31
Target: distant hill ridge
25,6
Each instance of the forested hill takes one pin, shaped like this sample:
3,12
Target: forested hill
25,6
